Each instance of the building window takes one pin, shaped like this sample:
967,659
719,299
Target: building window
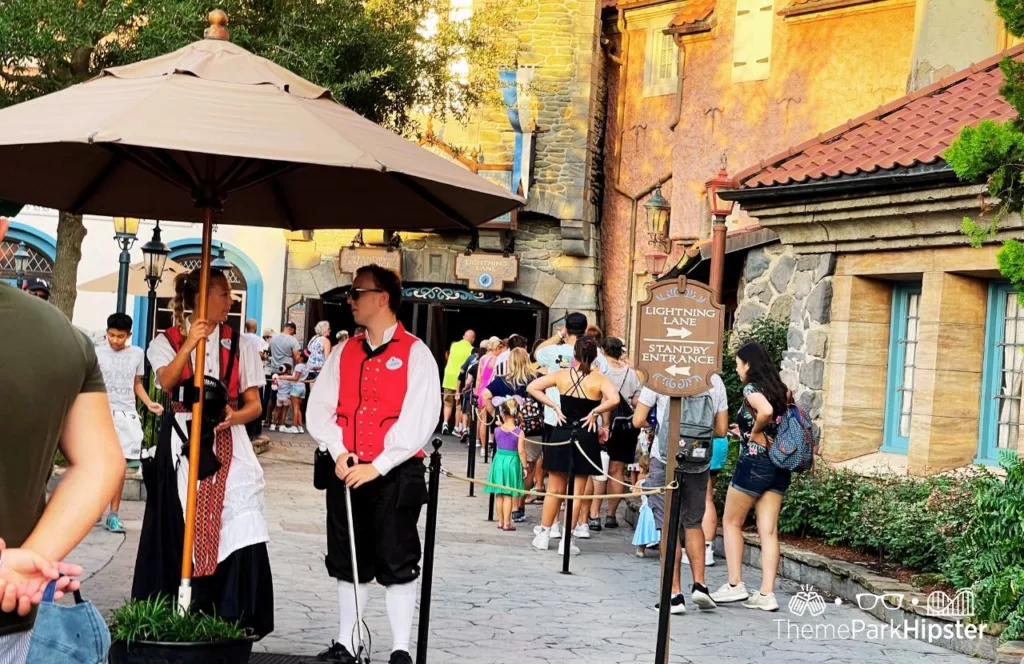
661,64
1003,374
39,264
903,335
752,41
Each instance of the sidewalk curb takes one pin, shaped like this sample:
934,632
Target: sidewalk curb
847,580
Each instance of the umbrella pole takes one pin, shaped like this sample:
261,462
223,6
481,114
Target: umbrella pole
185,589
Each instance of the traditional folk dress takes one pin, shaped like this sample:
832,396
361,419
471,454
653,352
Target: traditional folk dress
231,576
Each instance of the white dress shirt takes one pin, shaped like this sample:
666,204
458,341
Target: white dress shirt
415,424
242,519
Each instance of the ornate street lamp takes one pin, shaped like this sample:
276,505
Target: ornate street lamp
720,210
21,257
154,259
125,231
657,209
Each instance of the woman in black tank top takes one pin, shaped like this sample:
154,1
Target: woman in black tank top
584,396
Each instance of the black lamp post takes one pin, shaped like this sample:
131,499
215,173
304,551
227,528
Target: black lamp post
154,257
21,257
125,231
657,209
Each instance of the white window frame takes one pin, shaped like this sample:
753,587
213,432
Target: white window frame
656,85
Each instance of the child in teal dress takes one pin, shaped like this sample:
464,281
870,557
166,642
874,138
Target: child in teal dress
646,532
509,461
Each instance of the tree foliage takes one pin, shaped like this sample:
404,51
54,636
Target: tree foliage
385,59
382,58
993,152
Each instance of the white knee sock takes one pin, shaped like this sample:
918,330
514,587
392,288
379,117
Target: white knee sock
347,607
401,601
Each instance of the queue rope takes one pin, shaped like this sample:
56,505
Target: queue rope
561,496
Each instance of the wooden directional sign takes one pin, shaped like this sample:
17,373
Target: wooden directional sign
352,258
679,337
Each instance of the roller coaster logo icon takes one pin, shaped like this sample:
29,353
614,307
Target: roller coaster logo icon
960,605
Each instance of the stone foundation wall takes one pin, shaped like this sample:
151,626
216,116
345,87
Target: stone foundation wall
797,288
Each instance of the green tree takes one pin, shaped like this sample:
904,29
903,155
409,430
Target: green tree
385,59
993,152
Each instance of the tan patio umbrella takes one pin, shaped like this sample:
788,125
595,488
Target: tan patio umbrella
213,130
137,281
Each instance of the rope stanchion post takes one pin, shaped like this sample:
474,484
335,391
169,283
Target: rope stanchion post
662,648
567,529
490,508
471,461
427,577
673,500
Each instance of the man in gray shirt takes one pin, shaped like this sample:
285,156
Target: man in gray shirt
282,349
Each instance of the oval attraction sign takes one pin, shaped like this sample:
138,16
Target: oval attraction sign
679,337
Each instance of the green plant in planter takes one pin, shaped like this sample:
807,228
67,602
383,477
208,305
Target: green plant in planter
157,620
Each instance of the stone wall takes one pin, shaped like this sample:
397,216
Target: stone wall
778,283
547,274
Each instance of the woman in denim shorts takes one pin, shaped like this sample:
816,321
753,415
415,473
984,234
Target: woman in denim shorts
756,482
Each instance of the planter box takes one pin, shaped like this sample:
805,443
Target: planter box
847,580
146,652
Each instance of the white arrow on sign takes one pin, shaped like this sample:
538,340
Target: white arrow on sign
678,371
680,332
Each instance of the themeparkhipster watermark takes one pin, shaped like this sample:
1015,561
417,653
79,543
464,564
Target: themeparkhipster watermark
950,612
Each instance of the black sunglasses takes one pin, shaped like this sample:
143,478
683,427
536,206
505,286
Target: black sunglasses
356,293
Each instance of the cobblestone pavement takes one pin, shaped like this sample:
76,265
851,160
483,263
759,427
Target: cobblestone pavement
495,598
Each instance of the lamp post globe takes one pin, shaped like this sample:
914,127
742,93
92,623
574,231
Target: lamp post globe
125,231
21,257
154,259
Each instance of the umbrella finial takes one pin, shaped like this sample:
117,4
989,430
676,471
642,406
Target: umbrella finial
218,19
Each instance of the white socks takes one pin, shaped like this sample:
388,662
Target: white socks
401,603
347,635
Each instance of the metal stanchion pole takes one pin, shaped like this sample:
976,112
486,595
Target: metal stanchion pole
671,536
570,490
426,579
471,461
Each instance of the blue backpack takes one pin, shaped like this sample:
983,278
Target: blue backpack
794,444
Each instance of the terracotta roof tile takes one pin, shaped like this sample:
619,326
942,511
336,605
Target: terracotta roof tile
910,131
808,6
692,12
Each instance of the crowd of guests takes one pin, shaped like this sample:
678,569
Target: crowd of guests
580,388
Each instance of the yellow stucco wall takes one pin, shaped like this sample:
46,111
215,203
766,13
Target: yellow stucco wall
825,68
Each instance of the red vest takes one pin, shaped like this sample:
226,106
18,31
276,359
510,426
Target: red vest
173,335
371,390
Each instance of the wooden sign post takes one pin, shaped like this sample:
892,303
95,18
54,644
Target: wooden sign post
680,328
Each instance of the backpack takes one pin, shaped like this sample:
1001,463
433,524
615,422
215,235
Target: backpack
622,415
696,431
793,446
532,417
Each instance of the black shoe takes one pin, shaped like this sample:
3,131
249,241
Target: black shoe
611,522
594,524
336,653
677,605
400,657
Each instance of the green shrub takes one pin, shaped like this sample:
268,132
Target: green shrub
988,552
912,522
157,619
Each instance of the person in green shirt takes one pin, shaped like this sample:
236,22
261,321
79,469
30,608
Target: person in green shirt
51,399
457,354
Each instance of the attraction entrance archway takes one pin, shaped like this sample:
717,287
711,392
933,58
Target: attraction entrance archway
440,313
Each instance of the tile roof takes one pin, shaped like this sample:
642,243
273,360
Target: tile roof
795,7
911,131
692,12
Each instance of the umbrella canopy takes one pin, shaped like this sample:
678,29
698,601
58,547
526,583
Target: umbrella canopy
213,125
137,281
